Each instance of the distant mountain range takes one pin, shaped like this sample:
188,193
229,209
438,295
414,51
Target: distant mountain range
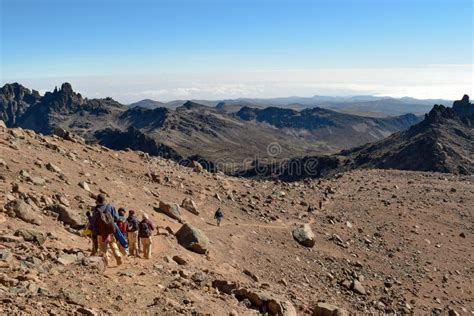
357,105
203,131
442,142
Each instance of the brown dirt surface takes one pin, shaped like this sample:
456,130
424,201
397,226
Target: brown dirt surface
385,241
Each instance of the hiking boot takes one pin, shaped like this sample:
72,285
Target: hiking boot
119,261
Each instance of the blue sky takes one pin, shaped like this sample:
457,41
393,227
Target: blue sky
107,42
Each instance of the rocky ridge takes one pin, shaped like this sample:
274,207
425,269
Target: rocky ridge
225,140
442,142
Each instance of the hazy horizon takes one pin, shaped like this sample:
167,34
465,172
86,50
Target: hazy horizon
167,50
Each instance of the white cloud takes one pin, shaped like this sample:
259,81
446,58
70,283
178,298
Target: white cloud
429,81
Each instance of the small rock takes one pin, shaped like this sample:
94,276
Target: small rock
5,255
189,205
53,168
179,260
87,311
67,259
197,167
85,186
36,180
452,312
357,287
325,309
251,275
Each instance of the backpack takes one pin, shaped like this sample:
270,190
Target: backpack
132,224
122,225
144,229
106,222
218,214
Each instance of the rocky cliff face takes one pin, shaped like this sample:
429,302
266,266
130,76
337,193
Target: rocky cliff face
14,101
350,130
463,107
133,139
442,142
64,105
194,129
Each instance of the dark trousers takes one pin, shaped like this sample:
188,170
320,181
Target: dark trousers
95,244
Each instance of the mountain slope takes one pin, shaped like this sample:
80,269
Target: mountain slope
343,130
381,230
67,109
147,104
442,142
15,101
357,105
193,129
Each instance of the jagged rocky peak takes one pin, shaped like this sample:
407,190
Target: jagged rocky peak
16,91
438,113
463,107
66,88
65,97
14,101
189,105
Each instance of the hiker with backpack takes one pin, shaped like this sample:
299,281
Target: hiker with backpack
218,216
122,226
104,217
145,229
132,233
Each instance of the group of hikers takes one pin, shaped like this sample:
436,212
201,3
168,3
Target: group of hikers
113,231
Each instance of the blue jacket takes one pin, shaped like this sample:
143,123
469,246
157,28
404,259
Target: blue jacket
95,215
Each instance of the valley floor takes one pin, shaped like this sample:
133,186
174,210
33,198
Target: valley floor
386,241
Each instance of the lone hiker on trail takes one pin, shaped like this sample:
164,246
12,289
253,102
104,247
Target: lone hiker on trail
218,216
144,232
104,217
132,233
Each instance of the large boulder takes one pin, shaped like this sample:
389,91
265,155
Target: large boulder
189,205
192,239
18,208
66,215
304,235
172,210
